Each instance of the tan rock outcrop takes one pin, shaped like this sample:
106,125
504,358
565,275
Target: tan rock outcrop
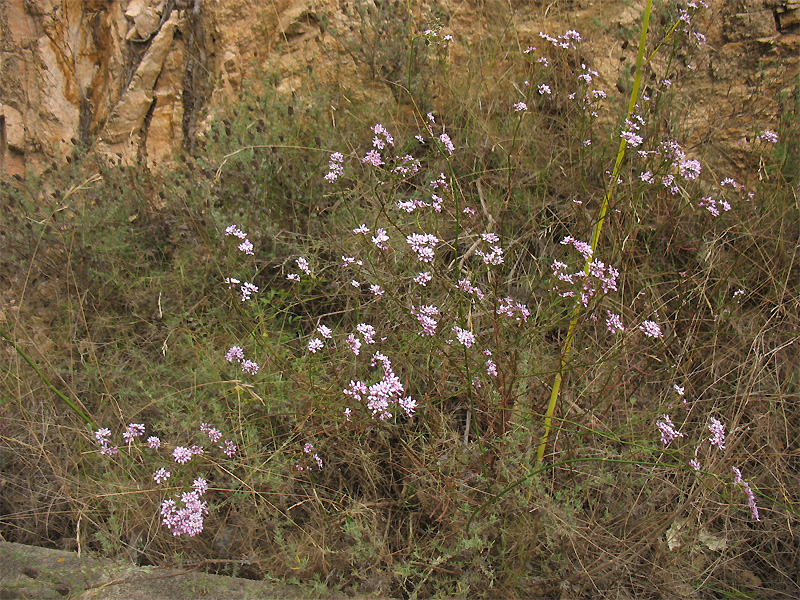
137,79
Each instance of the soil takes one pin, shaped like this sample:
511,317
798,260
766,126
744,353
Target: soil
28,572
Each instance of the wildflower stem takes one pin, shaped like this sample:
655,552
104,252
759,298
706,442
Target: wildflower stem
47,382
567,348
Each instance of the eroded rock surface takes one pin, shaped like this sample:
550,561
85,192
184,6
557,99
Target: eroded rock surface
136,78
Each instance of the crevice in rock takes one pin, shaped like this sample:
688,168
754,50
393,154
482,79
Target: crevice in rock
85,119
141,151
194,81
3,143
138,47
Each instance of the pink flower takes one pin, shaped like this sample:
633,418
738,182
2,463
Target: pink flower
315,345
448,144
213,433
491,368
153,442
230,449
380,238
250,367
335,168
247,289
668,431
769,136
200,486
717,430
613,322
354,343
631,138
651,329
582,247
235,231
182,455
426,315
133,431
234,353
423,278
423,244
373,157
367,331
751,497
302,264
161,475
464,336
515,310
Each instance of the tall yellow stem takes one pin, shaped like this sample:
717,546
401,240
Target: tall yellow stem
573,324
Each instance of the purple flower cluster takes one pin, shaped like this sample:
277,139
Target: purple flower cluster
235,353
584,283
185,516
427,315
447,143
466,285
308,448
717,430
246,245
464,336
133,431
423,244
508,307
667,429
614,322
769,136
102,436
568,40
751,497
713,206
651,329
335,167
382,394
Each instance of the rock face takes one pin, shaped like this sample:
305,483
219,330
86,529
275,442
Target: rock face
135,78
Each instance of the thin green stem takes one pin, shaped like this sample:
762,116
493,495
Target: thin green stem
47,382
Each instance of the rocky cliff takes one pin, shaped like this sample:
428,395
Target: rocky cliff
136,78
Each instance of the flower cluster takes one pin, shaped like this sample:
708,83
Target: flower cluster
236,354
246,245
335,167
102,436
464,336
751,497
427,315
184,514
584,284
246,289
187,514
424,245
717,430
651,329
508,307
568,40
308,448
667,429
382,394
